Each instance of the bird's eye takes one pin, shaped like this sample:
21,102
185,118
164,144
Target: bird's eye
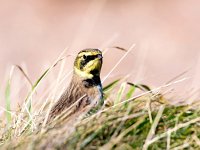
84,57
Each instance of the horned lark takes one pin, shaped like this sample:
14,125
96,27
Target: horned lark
85,88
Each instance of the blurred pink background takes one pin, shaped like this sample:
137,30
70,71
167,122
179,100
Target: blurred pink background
33,33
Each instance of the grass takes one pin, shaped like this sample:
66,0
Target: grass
134,117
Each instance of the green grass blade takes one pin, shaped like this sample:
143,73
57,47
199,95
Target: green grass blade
130,91
110,86
120,93
142,87
38,81
29,104
7,98
28,100
91,137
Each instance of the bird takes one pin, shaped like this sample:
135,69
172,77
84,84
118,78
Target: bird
85,88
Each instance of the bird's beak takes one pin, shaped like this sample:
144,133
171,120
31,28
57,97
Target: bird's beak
100,56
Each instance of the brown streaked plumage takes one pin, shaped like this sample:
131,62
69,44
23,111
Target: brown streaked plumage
85,88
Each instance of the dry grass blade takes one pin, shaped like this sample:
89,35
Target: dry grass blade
181,147
116,140
153,127
42,77
27,104
179,126
145,93
130,49
51,88
120,48
25,75
178,76
54,93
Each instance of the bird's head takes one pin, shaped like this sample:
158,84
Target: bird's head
88,63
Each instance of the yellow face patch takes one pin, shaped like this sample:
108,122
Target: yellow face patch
83,74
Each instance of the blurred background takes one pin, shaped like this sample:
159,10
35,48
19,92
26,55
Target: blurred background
33,33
